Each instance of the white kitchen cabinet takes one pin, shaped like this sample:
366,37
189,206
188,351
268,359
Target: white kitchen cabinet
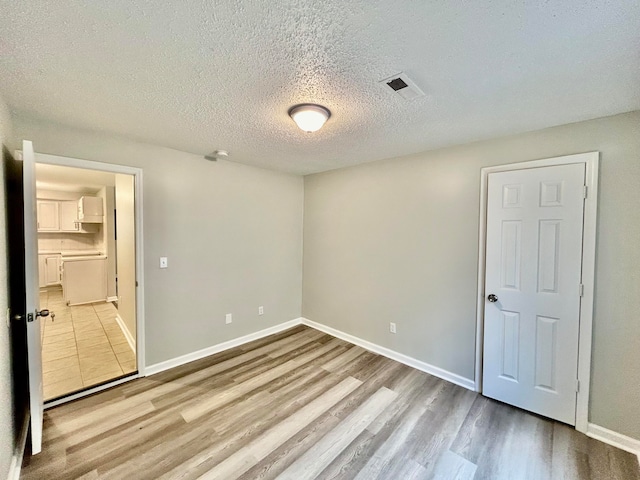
84,279
65,215
90,209
52,270
48,216
41,271
69,216
49,269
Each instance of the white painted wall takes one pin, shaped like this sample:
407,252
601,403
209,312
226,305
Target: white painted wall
232,233
126,250
109,239
396,241
7,427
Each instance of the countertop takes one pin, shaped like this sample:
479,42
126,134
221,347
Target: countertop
70,253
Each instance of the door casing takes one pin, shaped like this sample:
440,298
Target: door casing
137,174
591,162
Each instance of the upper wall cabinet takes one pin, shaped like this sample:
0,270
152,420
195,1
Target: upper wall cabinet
70,216
48,216
90,209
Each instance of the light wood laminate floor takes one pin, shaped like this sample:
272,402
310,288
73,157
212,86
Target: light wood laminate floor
82,347
304,405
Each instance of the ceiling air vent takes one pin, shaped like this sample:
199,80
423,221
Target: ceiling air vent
403,86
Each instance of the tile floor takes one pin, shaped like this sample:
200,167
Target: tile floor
82,347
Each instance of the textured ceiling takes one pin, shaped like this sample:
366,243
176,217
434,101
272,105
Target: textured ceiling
69,179
203,75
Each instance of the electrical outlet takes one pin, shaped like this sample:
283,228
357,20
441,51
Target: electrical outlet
164,262
260,310
228,318
392,327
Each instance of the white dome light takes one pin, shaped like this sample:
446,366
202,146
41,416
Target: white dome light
309,116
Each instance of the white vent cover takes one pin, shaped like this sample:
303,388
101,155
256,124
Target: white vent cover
403,86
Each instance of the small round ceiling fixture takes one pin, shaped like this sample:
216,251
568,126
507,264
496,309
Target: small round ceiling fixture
309,116
217,155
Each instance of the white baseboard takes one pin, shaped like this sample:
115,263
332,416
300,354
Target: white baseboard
399,357
615,439
393,355
205,352
112,299
126,332
18,454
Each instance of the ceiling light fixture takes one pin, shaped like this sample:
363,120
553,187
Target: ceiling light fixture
309,116
217,155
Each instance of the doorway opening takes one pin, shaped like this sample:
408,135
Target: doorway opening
88,269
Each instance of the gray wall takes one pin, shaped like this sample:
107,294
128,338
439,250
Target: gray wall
7,428
232,233
397,240
387,241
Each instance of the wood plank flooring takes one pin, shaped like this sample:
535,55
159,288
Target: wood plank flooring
304,405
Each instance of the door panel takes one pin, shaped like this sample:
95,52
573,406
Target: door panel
510,345
546,339
533,266
511,254
16,284
32,296
548,255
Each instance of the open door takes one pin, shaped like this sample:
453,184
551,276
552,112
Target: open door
31,313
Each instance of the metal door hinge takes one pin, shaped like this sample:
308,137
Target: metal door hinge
584,191
581,290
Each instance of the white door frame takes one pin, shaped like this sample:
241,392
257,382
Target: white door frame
590,160
137,174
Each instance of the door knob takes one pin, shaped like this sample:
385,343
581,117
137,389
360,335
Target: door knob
29,316
492,298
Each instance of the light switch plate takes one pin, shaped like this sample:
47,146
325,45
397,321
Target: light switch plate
228,318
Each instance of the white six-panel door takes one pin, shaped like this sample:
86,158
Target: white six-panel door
533,267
